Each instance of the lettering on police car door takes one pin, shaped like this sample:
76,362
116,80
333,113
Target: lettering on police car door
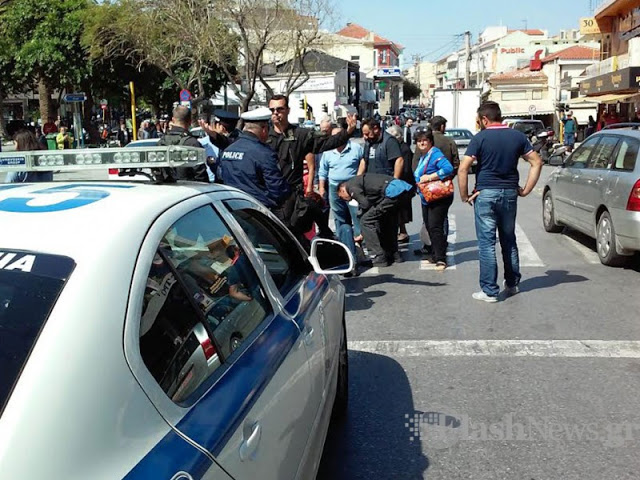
56,199
8,261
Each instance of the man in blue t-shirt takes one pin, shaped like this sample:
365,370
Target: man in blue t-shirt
497,148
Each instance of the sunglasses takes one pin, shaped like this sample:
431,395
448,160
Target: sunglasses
278,109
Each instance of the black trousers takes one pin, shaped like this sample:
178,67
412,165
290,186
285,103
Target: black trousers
379,226
434,215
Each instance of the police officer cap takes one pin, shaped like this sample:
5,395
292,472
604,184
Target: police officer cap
262,114
225,116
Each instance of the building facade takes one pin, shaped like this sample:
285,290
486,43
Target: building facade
385,71
614,82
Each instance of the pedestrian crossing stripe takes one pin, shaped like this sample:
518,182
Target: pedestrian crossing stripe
528,255
500,348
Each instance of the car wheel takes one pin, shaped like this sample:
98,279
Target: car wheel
606,242
342,390
548,214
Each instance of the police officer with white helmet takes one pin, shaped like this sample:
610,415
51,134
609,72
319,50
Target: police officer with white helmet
250,165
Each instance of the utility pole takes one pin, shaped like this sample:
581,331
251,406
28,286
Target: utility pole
478,63
467,67
416,70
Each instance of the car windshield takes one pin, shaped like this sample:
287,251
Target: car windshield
458,134
30,284
528,128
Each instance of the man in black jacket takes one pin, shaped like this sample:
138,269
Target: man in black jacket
179,134
378,201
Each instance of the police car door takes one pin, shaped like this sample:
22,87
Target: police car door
308,298
209,346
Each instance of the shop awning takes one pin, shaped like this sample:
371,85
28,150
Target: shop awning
527,114
607,98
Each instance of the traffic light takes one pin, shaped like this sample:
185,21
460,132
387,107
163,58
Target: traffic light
325,108
302,104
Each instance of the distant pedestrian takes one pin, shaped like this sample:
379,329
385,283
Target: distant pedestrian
591,127
124,134
144,131
24,141
434,166
378,197
570,130
64,140
406,132
50,127
497,149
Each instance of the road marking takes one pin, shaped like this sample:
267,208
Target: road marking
451,255
589,255
528,255
501,348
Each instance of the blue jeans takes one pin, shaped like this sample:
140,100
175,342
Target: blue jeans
569,139
496,210
345,219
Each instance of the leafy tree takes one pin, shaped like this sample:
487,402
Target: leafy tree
163,35
43,36
410,90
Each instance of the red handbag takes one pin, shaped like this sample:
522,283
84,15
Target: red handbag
437,189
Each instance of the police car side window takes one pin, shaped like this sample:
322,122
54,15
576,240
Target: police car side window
277,249
202,302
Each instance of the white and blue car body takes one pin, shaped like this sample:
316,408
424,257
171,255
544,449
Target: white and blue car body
162,332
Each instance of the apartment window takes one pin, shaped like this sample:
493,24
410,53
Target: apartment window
375,57
355,59
515,95
537,95
383,57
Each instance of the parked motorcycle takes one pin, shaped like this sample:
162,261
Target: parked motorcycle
558,155
542,143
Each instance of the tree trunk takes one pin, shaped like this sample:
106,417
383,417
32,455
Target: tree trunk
3,130
44,92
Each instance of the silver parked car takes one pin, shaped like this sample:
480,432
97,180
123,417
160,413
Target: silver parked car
597,191
462,137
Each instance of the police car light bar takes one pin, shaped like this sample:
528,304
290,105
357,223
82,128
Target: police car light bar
101,158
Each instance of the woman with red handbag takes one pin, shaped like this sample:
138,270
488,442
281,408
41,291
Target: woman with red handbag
434,179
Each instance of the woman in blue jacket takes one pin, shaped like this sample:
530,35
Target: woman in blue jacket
433,166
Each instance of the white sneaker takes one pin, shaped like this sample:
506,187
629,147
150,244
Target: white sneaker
510,290
484,297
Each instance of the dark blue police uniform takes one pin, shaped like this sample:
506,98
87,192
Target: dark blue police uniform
251,166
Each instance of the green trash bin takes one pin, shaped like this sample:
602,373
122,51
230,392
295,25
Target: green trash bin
51,141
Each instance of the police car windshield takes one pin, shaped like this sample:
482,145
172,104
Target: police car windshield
30,284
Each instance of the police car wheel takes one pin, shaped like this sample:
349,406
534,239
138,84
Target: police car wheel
342,390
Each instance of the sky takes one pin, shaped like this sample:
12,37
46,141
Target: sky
432,28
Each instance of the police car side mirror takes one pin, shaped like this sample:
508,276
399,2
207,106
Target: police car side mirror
330,257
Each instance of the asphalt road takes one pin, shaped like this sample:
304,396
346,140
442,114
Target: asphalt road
542,385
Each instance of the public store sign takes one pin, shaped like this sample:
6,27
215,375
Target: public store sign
619,81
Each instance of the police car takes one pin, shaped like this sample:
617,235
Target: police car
161,331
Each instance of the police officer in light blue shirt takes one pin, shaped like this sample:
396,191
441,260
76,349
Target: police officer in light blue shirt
251,166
